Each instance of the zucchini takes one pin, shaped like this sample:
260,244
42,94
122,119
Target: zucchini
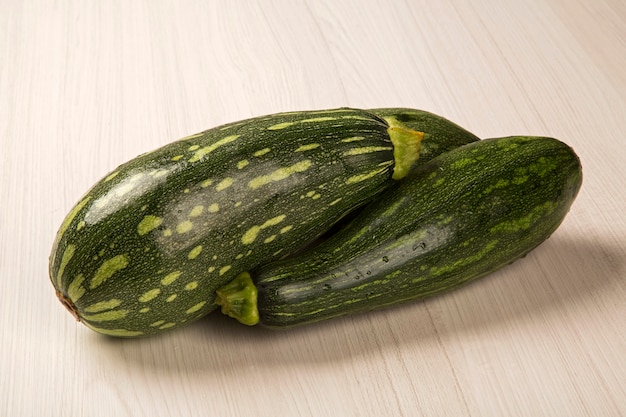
464,214
147,247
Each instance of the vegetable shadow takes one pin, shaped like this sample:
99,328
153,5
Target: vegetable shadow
560,272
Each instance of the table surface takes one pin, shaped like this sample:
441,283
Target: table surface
87,85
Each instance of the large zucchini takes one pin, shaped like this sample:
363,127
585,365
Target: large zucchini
461,216
146,248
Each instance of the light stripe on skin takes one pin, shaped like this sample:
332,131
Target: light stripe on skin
106,316
262,152
195,308
362,177
308,147
65,259
353,139
280,174
193,254
149,295
366,150
224,184
103,306
284,125
202,152
148,223
70,217
196,211
184,227
251,234
76,290
111,176
224,269
108,268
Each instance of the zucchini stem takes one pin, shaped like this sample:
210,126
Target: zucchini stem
238,299
406,146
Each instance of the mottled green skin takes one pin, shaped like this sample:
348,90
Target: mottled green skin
146,248
461,216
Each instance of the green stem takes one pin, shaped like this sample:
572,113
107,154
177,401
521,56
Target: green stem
238,299
406,146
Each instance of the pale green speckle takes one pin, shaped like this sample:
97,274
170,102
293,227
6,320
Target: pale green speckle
149,295
108,268
103,306
366,150
262,152
157,323
196,307
171,298
252,233
196,211
106,316
270,239
242,164
111,176
144,310
224,184
332,203
193,254
214,208
206,183
191,285
353,139
280,126
224,269
362,177
286,229
279,174
307,147
184,227
171,277
76,290
148,223
65,259
200,153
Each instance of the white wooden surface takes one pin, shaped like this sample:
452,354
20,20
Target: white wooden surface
86,85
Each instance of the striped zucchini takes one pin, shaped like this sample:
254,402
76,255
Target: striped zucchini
147,247
461,216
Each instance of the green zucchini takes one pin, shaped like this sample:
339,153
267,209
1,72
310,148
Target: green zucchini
147,247
461,216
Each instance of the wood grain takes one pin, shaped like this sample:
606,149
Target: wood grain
86,85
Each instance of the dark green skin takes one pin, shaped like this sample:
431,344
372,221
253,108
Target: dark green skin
112,265
463,215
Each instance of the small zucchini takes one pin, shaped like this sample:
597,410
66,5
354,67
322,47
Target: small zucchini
147,247
464,214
